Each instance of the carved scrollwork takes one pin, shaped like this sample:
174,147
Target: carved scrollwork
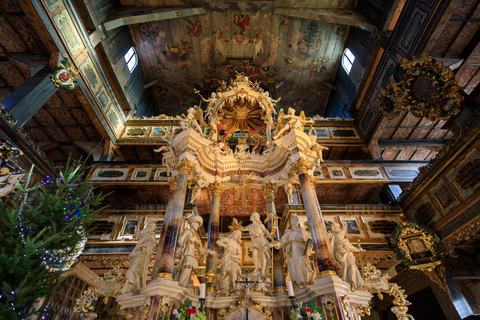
427,89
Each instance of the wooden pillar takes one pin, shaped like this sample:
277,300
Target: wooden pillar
216,190
326,264
165,270
29,98
161,242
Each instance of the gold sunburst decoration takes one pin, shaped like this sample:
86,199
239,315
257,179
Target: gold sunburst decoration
242,113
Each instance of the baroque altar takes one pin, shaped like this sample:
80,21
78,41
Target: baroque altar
239,141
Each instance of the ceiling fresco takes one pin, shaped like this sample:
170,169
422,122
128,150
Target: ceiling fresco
301,55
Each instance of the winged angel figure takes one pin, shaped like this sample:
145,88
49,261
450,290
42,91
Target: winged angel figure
194,120
291,121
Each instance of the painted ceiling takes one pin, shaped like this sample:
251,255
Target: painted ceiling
301,55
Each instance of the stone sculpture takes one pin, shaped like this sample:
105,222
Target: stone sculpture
298,245
259,245
140,258
191,250
343,252
230,261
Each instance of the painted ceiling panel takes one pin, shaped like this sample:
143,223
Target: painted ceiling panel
180,53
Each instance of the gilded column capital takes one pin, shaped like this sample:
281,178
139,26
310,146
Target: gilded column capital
268,188
216,188
185,166
301,166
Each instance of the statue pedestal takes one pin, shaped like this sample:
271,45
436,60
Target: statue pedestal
331,293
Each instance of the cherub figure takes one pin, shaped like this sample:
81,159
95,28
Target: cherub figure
316,148
192,119
200,182
292,121
288,186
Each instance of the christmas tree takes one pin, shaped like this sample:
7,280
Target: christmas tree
43,228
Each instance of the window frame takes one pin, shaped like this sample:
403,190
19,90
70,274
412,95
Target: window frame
132,54
346,57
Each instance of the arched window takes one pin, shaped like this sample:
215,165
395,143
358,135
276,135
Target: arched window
347,60
131,59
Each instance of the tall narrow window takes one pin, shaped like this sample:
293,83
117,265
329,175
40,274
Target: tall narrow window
347,60
131,59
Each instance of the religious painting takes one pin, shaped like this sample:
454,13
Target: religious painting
161,175
445,196
158,132
352,226
318,173
336,173
109,174
129,227
329,222
142,174
194,28
366,173
135,132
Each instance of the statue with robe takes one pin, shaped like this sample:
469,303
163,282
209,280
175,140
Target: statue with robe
298,245
343,252
259,245
230,261
140,259
191,250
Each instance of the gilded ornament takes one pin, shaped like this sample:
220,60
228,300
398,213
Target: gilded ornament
216,188
301,166
64,75
427,89
185,166
268,189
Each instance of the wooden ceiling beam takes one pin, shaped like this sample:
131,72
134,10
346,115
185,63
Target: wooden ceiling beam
132,15
339,16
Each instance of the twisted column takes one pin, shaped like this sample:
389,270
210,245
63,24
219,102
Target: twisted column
172,181
216,190
326,264
165,270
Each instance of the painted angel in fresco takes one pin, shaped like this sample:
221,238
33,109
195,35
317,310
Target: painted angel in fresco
218,36
291,121
195,28
243,23
301,46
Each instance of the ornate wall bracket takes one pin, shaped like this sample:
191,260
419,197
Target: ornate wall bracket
64,75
